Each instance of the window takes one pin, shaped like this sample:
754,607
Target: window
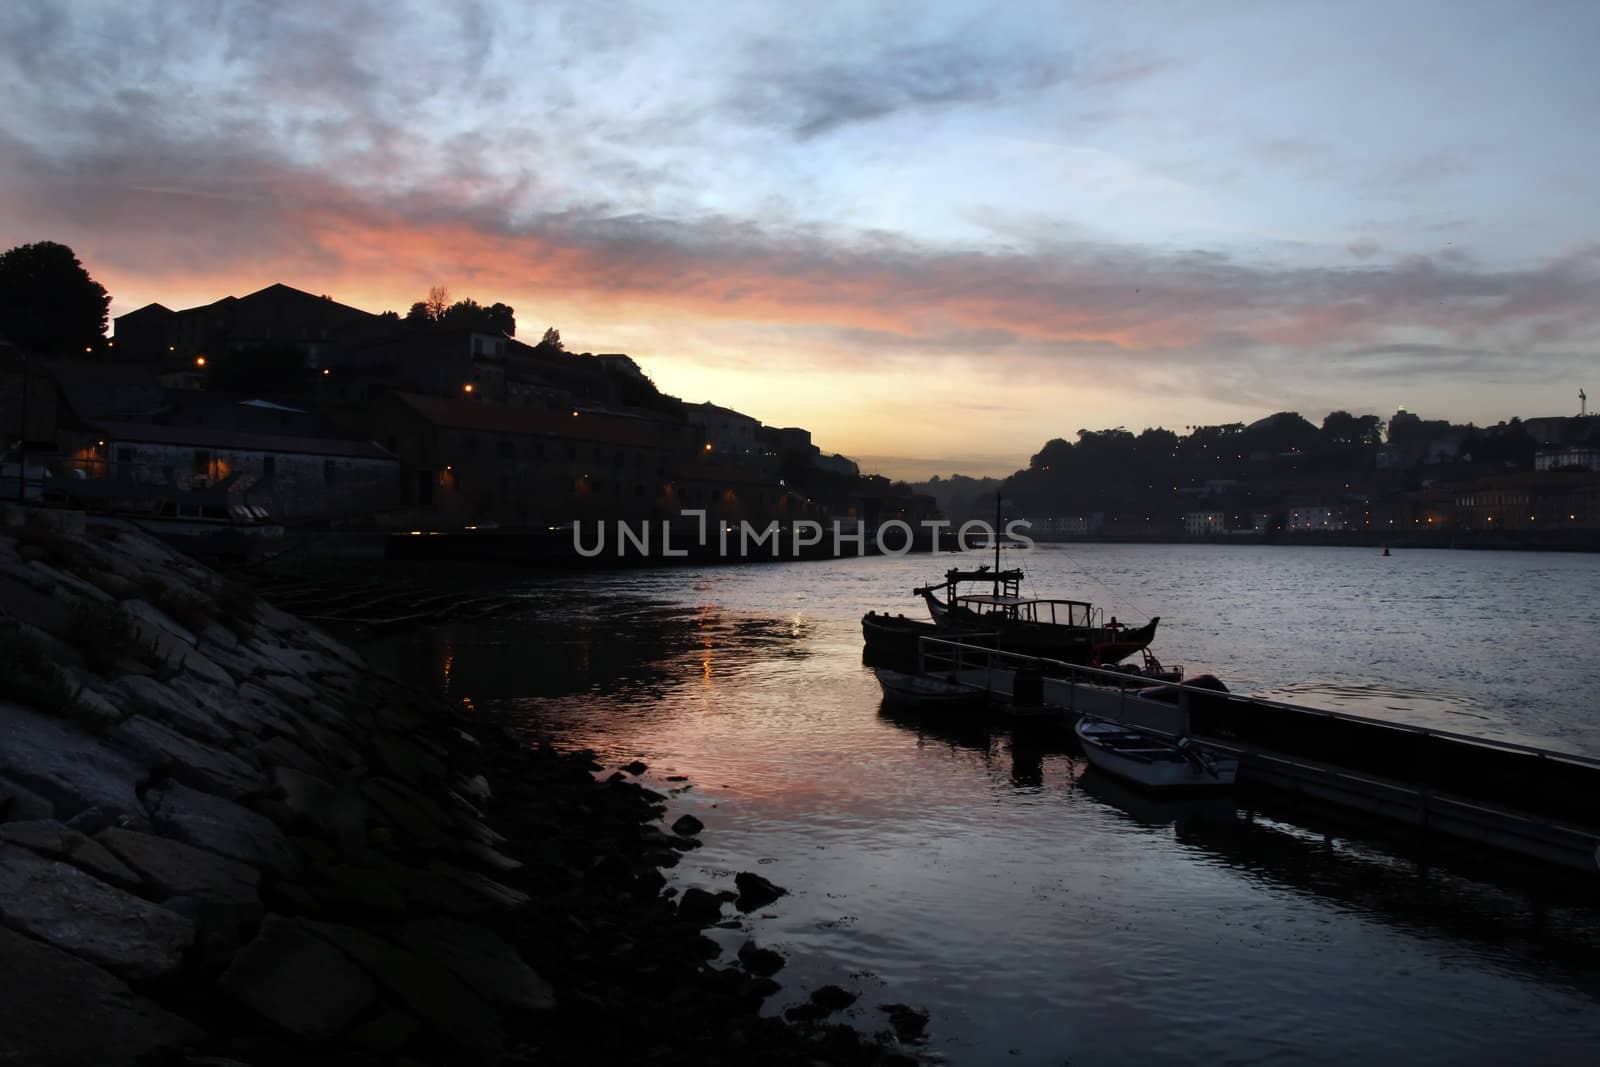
572,451
124,454
269,466
202,462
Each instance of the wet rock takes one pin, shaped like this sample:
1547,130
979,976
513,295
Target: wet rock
430,992
80,914
636,768
761,962
688,826
481,959
832,998
755,891
175,869
203,766
909,1023
222,826
63,766
47,837
59,1011
699,907
297,980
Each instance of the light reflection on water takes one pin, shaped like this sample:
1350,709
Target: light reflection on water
1042,914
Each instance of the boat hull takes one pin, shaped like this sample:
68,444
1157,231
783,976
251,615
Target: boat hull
1150,762
927,692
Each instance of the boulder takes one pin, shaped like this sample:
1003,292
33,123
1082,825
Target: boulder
21,804
755,891
177,710
431,992
58,903
481,959
151,621
59,1011
688,826
202,766
71,770
297,981
58,841
174,869
699,907
761,962
222,826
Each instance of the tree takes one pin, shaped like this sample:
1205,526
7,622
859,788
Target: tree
48,302
552,340
438,302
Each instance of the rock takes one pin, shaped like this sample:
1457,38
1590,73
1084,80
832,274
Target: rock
77,586
230,709
21,804
175,869
423,823
149,619
429,991
58,763
761,962
171,707
688,826
297,980
699,907
636,768
831,998
908,1022
80,914
755,891
95,709
406,761
58,1011
288,686
166,751
285,753
385,1035
198,663
486,963
476,787
219,635
50,838
222,826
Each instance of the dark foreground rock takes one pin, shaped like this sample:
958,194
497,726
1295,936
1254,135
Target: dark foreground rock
224,839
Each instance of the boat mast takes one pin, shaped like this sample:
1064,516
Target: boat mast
997,542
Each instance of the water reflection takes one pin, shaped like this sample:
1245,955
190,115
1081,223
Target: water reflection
984,872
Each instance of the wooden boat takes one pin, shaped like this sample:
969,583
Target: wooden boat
1073,631
1151,761
928,691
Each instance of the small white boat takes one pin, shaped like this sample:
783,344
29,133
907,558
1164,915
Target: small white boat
1151,761
926,690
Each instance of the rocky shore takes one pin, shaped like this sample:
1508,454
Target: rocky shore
225,839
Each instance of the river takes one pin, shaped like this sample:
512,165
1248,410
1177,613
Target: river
1042,916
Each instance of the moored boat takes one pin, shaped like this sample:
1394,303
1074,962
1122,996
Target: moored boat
1152,761
928,691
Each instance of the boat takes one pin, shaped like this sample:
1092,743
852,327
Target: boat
928,691
1150,760
1071,631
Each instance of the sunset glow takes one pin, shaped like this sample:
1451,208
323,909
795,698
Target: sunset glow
935,235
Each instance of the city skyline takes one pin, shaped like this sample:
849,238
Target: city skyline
935,236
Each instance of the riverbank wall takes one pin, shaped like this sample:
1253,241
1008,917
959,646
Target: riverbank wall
224,838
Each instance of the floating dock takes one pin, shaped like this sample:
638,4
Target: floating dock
1534,802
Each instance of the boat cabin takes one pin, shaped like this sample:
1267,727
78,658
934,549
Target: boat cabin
1028,609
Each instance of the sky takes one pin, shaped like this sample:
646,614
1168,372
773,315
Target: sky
936,234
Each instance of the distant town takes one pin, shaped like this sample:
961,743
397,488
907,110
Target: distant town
282,407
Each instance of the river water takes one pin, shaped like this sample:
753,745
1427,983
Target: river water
1043,916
